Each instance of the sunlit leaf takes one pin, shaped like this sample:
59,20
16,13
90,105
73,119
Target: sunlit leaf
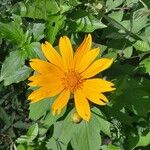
142,46
146,64
12,31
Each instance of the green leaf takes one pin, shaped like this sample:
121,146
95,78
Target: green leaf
21,125
140,19
146,64
63,132
67,5
49,120
39,9
142,46
139,140
12,31
118,25
18,72
38,109
24,147
38,31
4,116
34,50
101,121
111,4
110,147
21,147
19,75
55,23
144,140
112,54
117,15
127,52
87,134
130,3
33,132
86,23
131,95
30,136
147,35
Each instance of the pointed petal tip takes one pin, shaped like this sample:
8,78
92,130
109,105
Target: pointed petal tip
46,42
87,118
89,36
30,97
53,112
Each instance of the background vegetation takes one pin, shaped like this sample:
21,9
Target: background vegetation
121,28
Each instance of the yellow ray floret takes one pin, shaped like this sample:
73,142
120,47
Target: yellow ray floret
67,72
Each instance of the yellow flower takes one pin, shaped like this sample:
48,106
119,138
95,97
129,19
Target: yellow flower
68,73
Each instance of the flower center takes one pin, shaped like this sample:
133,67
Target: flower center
72,80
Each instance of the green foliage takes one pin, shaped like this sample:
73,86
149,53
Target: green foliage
142,46
121,28
18,72
54,24
13,32
146,65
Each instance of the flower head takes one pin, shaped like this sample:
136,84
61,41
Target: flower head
68,72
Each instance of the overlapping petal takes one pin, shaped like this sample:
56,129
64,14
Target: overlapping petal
44,67
82,105
52,55
97,66
98,85
60,102
84,47
86,60
66,52
45,92
44,80
95,97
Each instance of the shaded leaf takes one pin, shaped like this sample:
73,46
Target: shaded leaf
38,109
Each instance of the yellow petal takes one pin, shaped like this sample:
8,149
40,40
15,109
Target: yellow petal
82,105
44,80
44,67
96,67
84,47
98,85
95,97
60,102
45,92
66,52
103,97
87,59
52,55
